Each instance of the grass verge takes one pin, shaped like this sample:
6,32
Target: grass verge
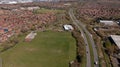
107,60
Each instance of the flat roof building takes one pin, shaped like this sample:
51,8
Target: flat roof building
107,22
116,39
68,27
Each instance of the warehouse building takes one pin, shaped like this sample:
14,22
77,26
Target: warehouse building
108,22
116,39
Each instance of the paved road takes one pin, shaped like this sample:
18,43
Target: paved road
88,64
84,31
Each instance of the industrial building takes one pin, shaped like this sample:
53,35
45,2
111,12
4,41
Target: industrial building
116,39
107,22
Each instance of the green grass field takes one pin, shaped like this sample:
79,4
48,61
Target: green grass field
44,10
48,49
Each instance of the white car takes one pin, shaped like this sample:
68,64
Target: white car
95,62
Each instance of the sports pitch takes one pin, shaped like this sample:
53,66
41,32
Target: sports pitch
48,49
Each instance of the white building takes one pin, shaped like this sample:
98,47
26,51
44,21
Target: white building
107,22
67,4
33,8
68,27
30,36
30,8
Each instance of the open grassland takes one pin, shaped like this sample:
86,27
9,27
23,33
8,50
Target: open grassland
48,49
44,10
